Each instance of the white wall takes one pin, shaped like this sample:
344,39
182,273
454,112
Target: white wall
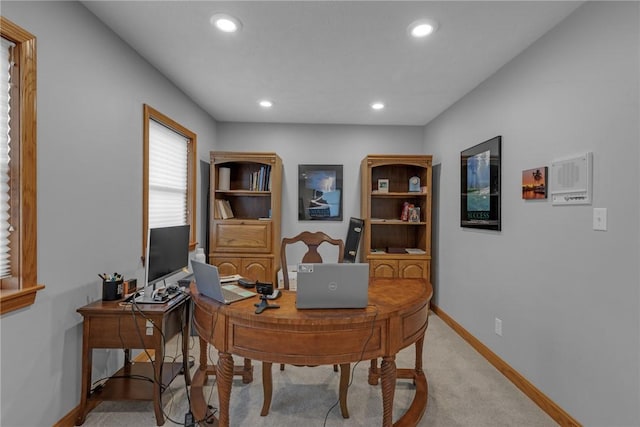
567,295
91,88
343,145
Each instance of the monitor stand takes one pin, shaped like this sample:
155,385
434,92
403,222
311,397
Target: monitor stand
147,296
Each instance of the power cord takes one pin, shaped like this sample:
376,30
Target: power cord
135,308
364,348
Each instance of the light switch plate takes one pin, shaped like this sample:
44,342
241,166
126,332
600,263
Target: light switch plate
600,219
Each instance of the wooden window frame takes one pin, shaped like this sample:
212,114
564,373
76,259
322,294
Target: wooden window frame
150,113
20,290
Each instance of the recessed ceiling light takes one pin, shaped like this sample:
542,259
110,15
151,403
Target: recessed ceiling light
265,103
377,106
422,28
226,23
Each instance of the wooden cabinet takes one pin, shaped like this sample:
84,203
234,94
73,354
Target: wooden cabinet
245,209
396,208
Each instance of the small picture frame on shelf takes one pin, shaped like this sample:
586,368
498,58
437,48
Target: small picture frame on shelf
414,214
383,185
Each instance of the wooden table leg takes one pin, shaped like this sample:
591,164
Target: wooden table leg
388,380
157,383
374,372
185,343
247,372
224,373
345,374
267,388
198,403
419,345
87,354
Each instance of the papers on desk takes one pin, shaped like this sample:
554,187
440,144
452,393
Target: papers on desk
232,278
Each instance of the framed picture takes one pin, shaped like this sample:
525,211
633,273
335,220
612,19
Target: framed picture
320,192
480,185
534,183
383,186
414,214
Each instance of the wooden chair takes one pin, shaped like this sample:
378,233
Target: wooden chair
312,241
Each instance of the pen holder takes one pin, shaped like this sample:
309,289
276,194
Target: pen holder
111,290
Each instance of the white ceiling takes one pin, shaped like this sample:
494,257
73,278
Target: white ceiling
326,61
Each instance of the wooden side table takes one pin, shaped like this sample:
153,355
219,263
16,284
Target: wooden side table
111,324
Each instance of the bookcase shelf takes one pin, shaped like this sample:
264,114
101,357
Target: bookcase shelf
244,237
388,231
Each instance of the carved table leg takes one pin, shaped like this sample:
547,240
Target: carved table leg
224,374
267,388
388,379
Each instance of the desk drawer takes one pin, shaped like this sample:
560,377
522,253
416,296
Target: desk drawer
242,236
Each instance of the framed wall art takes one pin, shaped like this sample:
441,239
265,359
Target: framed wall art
480,185
534,183
320,192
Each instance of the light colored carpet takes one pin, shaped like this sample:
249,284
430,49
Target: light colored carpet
464,390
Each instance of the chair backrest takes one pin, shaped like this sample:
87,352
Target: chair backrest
312,240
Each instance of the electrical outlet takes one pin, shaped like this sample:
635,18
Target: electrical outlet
600,219
498,327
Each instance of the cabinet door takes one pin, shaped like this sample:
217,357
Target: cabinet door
242,236
413,269
227,266
257,269
383,268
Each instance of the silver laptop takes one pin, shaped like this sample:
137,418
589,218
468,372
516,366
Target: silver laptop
334,285
208,284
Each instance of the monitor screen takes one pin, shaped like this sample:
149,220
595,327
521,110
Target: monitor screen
167,252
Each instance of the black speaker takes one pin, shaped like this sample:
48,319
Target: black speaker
353,239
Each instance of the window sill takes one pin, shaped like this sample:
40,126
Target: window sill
15,299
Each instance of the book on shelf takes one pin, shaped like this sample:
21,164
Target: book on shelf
396,250
260,180
416,251
223,209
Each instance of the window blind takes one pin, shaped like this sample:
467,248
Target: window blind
168,171
5,225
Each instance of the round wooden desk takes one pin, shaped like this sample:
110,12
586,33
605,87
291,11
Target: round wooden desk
396,317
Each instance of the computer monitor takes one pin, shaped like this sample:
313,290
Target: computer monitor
167,252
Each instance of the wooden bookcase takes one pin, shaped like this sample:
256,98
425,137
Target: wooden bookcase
388,239
248,243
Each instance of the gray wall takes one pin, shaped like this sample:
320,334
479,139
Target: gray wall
571,317
567,295
319,144
91,88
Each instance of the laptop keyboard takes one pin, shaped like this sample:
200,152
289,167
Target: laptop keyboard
230,296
